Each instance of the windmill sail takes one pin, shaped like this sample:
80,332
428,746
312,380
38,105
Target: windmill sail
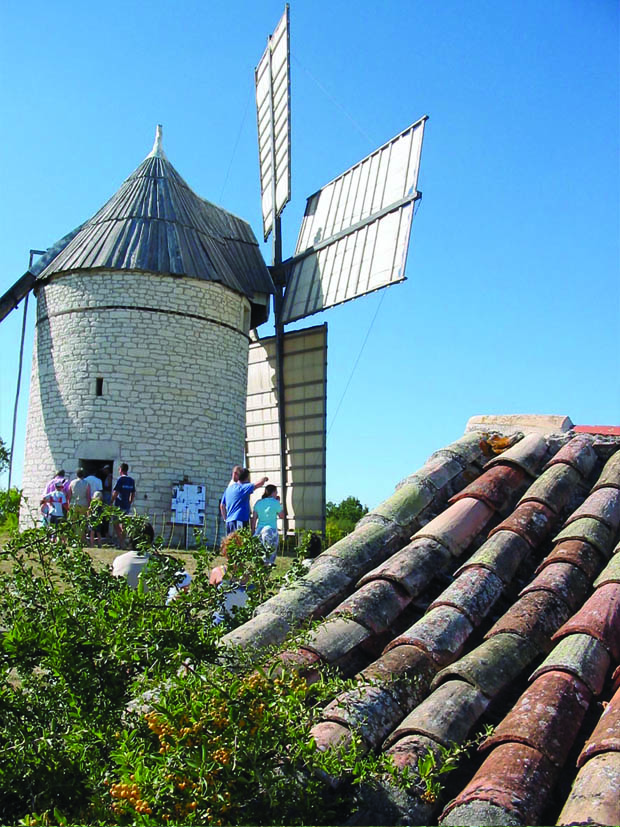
305,409
273,112
355,232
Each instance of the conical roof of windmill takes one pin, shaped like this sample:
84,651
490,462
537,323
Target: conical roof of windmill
157,223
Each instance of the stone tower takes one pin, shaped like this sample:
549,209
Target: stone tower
141,343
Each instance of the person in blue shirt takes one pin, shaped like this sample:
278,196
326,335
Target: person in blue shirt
122,497
235,502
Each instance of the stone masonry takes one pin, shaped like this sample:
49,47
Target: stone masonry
171,357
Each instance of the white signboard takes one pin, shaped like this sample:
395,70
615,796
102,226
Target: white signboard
188,504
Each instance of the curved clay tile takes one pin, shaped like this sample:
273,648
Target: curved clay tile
413,567
578,453
515,778
331,735
529,453
579,655
535,616
595,796
311,596
564,580
305,663
440,473
603,504
610,475
610,574
447,715
599,617
615,679
363,549
335,638
493,665
588,530
442,633
376,605
263,630
606,735
390,803
533,521
546,717
368,710
502,554
586,557
405,504
473,592
467,449
554,488
457,526
406,672
499,487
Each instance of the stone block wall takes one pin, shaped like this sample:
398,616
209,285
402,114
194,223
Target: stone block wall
171,357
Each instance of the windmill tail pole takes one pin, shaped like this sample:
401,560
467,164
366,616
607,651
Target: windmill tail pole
277,261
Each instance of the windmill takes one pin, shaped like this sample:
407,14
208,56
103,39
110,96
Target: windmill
166,261
353,240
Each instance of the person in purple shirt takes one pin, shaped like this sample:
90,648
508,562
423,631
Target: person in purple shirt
235,502
60,477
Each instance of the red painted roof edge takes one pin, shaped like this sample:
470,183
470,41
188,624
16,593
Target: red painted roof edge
605,430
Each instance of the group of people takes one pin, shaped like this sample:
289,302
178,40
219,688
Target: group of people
262,519
87,496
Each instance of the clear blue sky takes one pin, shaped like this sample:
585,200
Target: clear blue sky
512,298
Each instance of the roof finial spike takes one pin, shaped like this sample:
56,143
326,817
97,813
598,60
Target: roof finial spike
157,151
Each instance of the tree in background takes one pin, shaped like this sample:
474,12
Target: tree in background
341,518
4,456
9,500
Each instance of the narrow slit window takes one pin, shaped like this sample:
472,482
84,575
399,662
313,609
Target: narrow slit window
99,386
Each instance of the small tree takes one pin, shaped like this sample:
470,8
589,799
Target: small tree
341,518
4,456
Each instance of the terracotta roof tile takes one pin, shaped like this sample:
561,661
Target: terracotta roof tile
599,617
603,504
531,520
578,452
435,681
610,475
499,487
442,633
580,655
555,487
595,796
493,665
529,454
473,592
447,715
606,735
502,554
564,580
610,574
413,567
375,605
546,717
580,554
516,778
457,526
535,616
589,530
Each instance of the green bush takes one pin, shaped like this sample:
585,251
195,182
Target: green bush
116,708
9,508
